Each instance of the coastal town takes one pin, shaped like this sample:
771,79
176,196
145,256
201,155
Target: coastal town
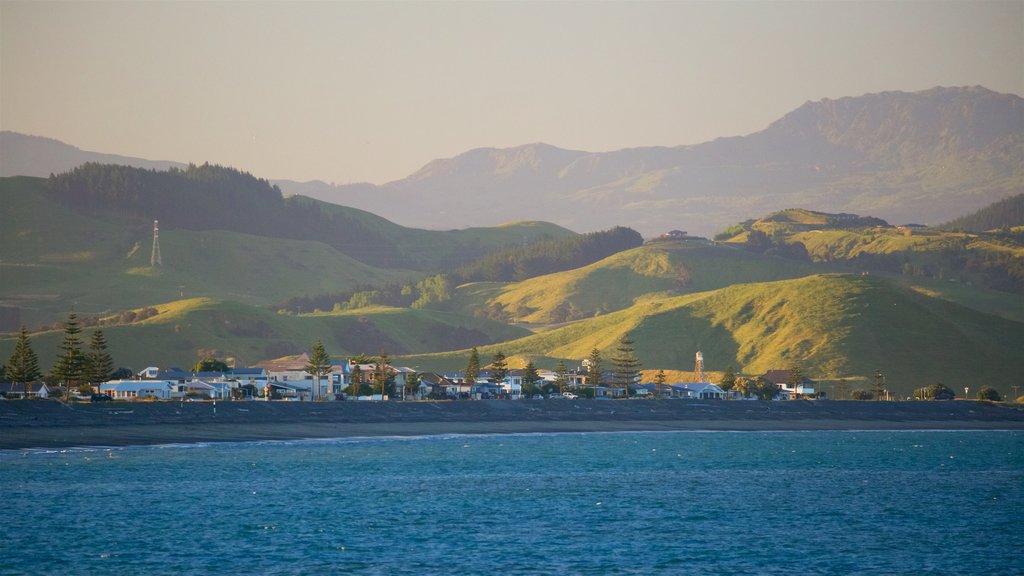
290,379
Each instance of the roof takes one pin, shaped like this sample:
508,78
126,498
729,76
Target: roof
20,387
128,385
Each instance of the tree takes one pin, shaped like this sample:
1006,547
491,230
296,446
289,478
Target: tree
472,369
627,365
530,380
530,373
499,367
68,369
861,395
795,379
744,386
210,365
765,389
23,365
98,364
659,381
728,380
989,393
355,387
381,374
412,383
594,369
561,376
319,365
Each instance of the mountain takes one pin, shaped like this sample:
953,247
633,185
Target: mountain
24,155
922,157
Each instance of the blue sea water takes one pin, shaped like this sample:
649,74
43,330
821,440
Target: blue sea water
596,503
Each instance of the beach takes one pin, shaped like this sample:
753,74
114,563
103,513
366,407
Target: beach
51,424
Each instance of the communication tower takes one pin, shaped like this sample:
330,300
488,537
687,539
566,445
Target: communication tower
154,259
699,368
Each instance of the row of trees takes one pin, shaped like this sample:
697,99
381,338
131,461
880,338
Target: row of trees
379,380
74,368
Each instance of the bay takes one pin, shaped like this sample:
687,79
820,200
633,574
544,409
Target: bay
923,502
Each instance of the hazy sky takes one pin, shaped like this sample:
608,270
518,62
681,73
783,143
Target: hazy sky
353,91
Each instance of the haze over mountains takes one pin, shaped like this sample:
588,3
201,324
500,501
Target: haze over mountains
923,157
907,157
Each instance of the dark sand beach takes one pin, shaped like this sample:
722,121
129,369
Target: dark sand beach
49,424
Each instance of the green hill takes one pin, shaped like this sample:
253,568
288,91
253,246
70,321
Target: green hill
835,326
55,255
1007,213
182,331
616,282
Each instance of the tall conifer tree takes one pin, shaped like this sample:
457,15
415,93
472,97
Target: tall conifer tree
319,365
627,365
594,369
499,367
23,365
472,369
70,364
99,365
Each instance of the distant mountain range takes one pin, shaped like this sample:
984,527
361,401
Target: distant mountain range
907,157
923,157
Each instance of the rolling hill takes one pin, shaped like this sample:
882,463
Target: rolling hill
659,267
836,326
181,331
57,254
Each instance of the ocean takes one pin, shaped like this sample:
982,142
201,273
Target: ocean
929,502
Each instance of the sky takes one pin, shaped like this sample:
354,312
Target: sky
372,91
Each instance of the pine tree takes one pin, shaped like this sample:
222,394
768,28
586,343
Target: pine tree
627,365
381,373
530,376
472,369
659,381
68,369
23,365
357,381
319,365
499,367
98,363
795,379
728,380
594,369
561,376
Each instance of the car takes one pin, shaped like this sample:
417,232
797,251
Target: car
569,396
100,398
538,396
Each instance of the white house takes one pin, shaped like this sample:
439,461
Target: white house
131,389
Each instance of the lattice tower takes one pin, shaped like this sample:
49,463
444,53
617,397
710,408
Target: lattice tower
699,368
154,259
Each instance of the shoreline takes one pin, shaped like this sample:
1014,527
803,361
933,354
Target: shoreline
40,424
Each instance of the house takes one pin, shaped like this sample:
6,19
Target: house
696,391
781,379
435,387
132,389
25,390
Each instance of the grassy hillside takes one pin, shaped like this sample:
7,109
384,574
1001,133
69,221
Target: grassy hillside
664,267
54,257
833,325
184,330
